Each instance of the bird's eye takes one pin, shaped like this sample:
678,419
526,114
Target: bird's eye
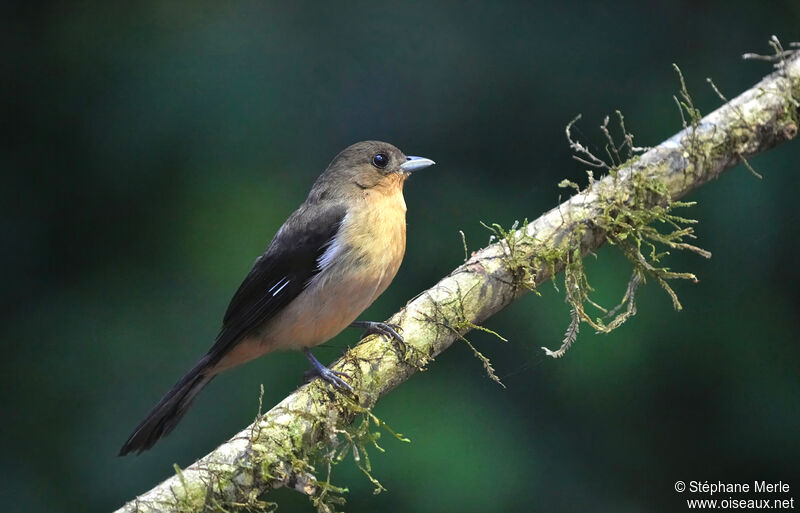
380,160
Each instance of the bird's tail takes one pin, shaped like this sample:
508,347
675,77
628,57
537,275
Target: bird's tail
170,409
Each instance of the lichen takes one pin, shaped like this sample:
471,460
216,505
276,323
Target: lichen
286,455
631,218
348,438
450,316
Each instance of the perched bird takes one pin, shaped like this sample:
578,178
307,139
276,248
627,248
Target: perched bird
328,262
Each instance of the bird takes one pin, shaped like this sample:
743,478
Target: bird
327,263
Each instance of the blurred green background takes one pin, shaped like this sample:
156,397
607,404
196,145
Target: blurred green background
152,149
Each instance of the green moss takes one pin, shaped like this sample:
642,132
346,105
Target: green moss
637,217
515,261
451,317
343,439
294,462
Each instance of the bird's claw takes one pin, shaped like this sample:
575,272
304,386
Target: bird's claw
388,330
330,376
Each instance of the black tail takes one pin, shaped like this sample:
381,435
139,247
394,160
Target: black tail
168,412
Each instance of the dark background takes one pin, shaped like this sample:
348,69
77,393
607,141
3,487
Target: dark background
151,151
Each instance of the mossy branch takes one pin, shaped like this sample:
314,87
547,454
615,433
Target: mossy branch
312,427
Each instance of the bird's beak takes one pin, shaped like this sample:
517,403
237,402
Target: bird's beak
415,164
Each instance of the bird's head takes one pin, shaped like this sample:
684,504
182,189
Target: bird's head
370,164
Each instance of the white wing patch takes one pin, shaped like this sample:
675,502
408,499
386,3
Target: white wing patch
334,247
332,251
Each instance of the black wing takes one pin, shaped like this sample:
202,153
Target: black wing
280,274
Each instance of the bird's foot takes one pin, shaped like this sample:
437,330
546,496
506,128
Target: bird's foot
380,328
330,376
385,329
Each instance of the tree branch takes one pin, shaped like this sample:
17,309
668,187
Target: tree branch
279,448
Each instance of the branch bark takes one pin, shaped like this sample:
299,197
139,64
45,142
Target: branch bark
277,449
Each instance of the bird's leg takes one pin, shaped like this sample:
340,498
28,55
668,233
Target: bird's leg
381,328
332,377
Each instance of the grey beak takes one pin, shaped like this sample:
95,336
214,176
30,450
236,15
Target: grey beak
415,164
